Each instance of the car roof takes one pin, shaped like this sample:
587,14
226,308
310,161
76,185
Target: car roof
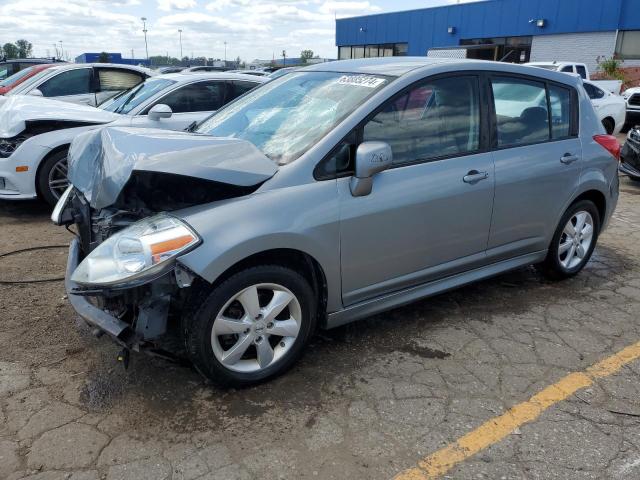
399,66
71,66
35,61
190,76
395,66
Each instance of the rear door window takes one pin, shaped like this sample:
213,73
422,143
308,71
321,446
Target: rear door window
594,92
582,71
71,82
560,99
240,88
116,80
521,111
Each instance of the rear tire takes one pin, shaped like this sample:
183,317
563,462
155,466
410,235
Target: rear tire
573,241
609,125
235,338
52,177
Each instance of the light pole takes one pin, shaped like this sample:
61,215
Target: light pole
225,54
61,49
144,30
180,32
284,58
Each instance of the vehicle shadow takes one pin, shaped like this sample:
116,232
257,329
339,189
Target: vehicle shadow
24,209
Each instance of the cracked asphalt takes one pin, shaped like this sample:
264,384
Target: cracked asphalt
368,400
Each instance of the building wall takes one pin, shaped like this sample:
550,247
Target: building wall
426,28
574,47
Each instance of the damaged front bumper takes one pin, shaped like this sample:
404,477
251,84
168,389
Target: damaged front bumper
148,316
121,332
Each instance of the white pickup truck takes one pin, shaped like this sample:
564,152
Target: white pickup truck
613,86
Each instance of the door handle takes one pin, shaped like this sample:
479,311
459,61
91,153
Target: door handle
474,176
568,159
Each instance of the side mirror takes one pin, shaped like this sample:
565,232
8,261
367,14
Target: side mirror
160,111
371,158
35,93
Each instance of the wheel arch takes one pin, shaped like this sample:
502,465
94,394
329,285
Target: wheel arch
610,119
295,259
43,160
598,198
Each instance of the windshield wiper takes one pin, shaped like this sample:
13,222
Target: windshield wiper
191,127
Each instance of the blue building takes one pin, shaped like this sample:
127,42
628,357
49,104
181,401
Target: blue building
509,30
113,58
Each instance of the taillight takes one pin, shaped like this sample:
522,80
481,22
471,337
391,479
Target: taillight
610,144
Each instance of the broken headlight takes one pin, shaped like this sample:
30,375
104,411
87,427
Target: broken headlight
10,145
138,253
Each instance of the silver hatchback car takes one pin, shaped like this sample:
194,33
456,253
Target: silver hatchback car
328,195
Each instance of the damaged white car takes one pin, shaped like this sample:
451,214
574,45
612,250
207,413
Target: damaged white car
35,133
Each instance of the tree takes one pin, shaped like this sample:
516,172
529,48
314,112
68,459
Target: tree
306,55
25,48
104,58
10,50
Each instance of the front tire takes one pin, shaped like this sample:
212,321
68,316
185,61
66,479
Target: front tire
573,241
52,177
251,327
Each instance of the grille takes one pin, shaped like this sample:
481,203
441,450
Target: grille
635,99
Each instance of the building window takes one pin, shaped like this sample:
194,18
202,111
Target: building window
504,49
344,53
400,49
371,51
358,52
628,45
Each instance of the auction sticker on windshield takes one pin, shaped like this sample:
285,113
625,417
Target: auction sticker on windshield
361,81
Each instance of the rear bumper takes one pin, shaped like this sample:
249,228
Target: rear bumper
118,330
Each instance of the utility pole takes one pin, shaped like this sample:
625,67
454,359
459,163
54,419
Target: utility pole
56,47
284,58
225,53
61,50
180,32
144,30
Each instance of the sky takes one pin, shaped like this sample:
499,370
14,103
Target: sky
252,29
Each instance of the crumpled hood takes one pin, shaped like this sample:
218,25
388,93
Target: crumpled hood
16,110
101,161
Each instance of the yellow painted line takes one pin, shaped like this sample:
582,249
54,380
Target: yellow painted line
498,428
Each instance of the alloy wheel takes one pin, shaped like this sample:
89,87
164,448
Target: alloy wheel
576,240
256,327
58,181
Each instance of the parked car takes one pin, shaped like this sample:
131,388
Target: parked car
16,79
280,72
83,83
205,68
327,195
11,67
611,108
630,155
35,133
632,98
581,69
257,73
165,70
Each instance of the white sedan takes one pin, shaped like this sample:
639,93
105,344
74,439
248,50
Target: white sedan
83,83
611,108
35,133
